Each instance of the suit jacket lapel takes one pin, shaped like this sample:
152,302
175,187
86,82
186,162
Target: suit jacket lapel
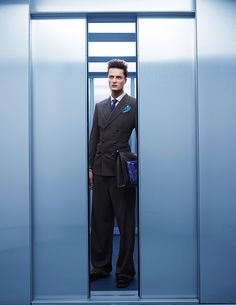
118,109
106,110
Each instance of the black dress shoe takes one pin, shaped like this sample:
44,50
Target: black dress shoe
123,280
97,274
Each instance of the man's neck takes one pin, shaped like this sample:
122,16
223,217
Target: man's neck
115,94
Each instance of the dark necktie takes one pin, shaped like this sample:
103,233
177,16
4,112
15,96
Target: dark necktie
113,104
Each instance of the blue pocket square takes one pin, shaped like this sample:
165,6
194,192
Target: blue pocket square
127,108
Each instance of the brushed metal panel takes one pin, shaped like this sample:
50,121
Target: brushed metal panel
217,111
60,236
167,156
102,6
14,154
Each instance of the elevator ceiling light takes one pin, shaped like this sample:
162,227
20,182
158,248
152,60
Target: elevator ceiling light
107,27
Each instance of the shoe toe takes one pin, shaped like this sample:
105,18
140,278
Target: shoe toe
123,281
95,275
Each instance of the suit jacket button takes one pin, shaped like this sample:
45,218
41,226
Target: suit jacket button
113,155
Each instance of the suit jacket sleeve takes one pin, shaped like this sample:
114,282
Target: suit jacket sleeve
94,138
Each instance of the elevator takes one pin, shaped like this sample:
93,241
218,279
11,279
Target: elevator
182,77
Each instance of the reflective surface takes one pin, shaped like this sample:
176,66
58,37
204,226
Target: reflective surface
14,154
111,6
60,237
217,111
167,155
167,158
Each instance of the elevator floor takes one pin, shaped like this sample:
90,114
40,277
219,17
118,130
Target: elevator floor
108,284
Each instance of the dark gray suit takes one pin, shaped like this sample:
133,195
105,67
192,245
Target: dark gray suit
110,132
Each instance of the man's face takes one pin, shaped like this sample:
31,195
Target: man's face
116,79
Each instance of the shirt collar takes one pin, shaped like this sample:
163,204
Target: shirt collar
119,98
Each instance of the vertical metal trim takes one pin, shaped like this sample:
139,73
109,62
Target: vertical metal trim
197,155
91,100
138,158
88,89
30,147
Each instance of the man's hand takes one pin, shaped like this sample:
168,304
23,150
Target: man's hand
90,178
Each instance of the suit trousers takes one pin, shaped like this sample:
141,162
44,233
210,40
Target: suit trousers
110,202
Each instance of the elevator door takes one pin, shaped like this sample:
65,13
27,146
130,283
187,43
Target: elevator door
167,158
59,159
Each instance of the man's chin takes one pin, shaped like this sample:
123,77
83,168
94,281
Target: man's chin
115,90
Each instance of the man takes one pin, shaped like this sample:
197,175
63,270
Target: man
113,122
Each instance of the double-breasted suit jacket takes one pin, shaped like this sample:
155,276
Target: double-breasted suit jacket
110,132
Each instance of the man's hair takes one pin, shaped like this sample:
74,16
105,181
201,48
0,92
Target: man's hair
118,63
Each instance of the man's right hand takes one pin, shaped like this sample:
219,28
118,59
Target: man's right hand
90,178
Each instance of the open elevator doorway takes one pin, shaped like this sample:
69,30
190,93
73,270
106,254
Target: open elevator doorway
112,37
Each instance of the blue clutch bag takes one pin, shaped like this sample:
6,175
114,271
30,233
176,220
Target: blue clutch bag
132,167
127,169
